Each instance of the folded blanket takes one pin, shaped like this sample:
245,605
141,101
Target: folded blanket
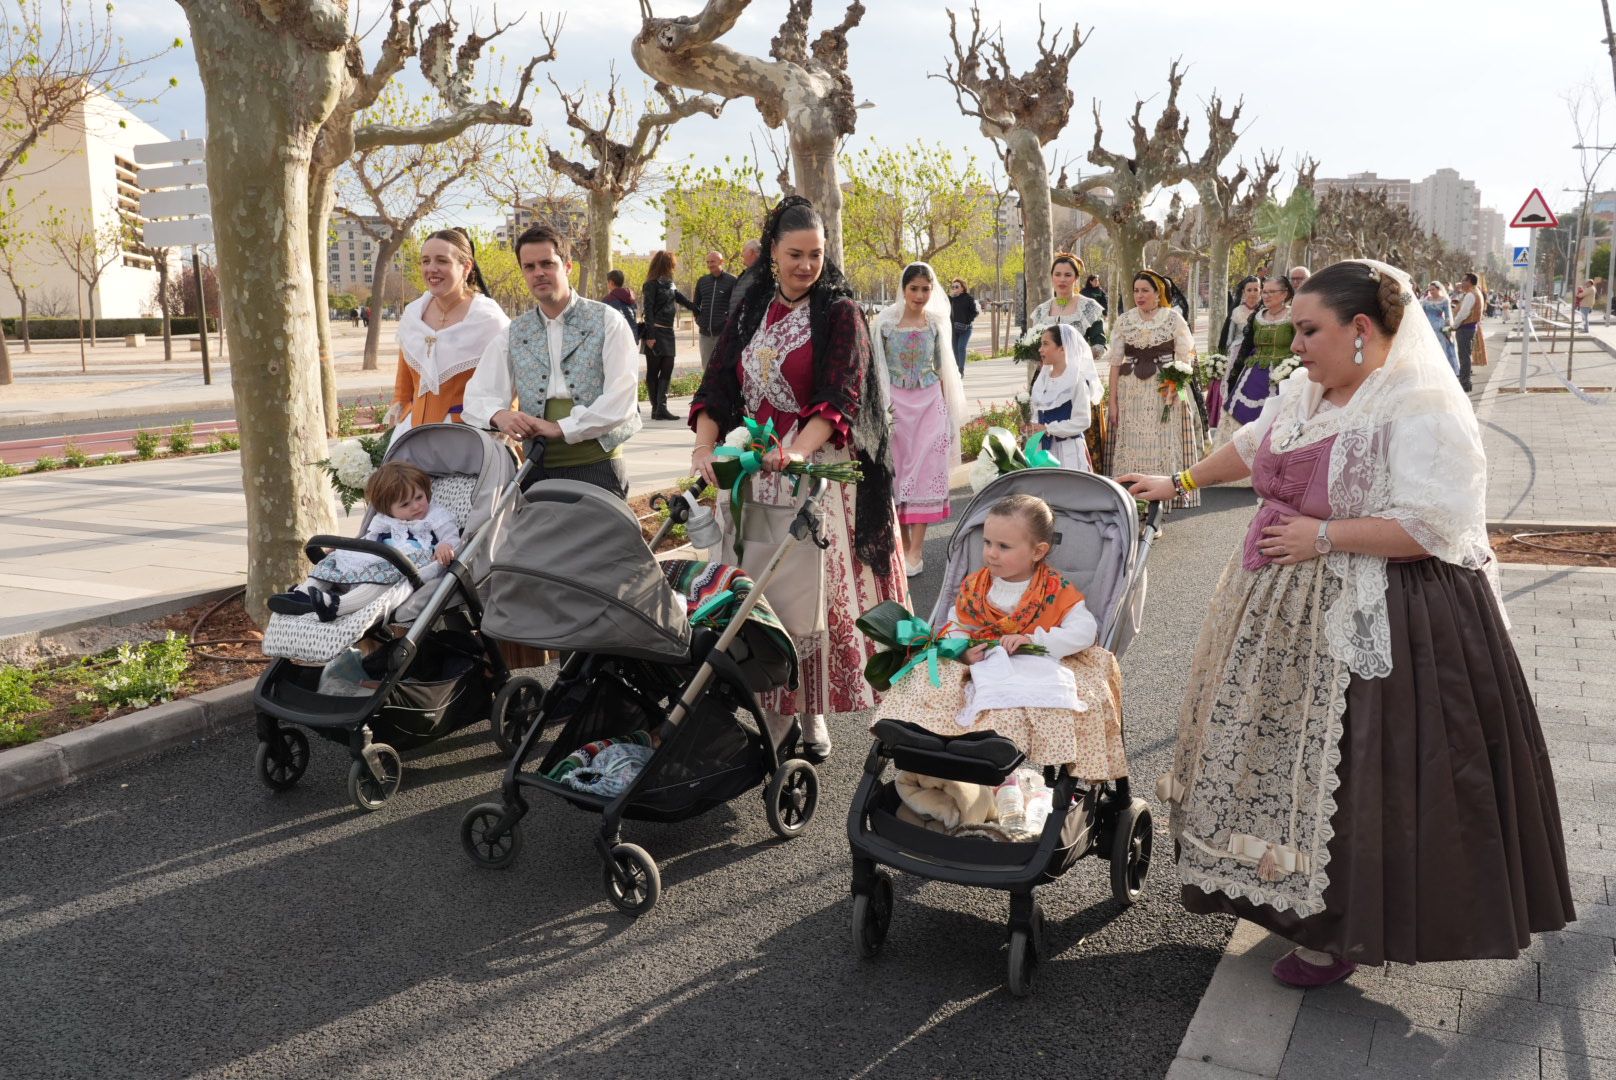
951,802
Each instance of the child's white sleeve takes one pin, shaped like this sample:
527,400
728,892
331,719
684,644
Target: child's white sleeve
444,527
1077,631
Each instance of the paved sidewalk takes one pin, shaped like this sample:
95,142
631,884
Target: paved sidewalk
97,543
1552,1012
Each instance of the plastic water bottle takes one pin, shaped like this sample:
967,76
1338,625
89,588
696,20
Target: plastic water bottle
1010,804
1037,800
702,529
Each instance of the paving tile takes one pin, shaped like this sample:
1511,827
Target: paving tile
1537,1023
1572,950
1504,978
1422,1053
1579,989
1590,858
1326,1045
1558,1066
1368,993
1595,919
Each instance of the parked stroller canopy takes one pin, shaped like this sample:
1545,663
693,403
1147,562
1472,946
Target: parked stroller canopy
572,572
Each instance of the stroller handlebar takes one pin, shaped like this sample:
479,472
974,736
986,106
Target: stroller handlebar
809,521
319,547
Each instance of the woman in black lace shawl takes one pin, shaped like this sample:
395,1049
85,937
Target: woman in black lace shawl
797,352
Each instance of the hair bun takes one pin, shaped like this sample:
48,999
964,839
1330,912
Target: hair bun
1393,297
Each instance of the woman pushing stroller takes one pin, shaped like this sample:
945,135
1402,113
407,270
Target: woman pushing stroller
1035,675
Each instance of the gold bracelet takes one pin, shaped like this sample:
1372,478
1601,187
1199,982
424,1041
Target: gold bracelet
703,446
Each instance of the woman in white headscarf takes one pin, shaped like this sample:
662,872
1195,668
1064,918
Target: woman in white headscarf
1359,765
1068,384
442,333
911,342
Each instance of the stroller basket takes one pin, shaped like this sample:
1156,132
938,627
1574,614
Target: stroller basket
980,853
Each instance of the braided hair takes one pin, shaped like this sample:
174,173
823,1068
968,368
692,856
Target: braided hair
873,537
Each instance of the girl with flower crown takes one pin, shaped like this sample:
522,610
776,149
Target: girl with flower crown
1359,765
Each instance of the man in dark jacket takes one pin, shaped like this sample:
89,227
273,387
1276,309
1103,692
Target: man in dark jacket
713,293
621,298
749,258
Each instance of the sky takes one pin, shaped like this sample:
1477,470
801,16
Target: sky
1398,87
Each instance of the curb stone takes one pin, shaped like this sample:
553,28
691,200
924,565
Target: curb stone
57,761
1243,1025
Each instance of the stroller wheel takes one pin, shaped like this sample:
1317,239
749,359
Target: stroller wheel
638,894
364,790
284,774
1023,961
872,916
792,794
514,709
485,850
1130,852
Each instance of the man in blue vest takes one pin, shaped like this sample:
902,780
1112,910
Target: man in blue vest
569,369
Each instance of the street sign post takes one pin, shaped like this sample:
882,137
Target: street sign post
1534,214
186,208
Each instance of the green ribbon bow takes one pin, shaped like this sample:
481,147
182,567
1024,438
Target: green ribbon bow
750,461
923,645
1037,457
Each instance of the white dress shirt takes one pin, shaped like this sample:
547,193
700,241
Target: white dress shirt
493,385
1466,306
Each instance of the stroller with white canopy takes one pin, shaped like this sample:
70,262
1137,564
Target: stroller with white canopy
1101,548
434,679
647,667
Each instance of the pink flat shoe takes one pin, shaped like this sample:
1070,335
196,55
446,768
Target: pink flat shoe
1292,970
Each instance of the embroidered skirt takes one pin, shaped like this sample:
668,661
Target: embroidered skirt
921,441
1090,742
1143,443
831,676
1444,839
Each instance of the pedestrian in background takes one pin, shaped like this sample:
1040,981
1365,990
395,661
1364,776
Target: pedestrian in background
963,311
662,299
749,258
621,298
1093,290
713,294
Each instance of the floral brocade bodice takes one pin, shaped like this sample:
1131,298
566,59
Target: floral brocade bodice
911,354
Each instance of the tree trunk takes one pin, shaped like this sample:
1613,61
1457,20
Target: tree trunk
385,250
813,161
78,304
5,358
321,196
22,308
1030,176
91,290
267,94
1130,244
602,219
1217,293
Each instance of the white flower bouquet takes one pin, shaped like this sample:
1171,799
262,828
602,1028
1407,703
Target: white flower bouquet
351,463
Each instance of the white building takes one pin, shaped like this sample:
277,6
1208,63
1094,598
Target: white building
83,172
1446,205
1489,237
351,258
1398,192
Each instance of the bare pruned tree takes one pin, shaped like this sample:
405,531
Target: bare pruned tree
805,88
1228,201
1120,195
1022,114
451,72
619,164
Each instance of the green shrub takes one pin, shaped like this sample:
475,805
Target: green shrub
181,437
378,413
109,459
45,463
681,386
17,697
73,457
8,469
347,419
16,733
229,440
211,447
1005,414
141,675
68,329
708,494
146,444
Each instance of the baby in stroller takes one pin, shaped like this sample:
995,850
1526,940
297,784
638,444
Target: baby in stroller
1035,675
407,519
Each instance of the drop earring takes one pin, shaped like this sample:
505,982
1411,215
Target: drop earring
1357,357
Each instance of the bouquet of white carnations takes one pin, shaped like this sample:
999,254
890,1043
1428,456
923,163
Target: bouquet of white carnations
351,463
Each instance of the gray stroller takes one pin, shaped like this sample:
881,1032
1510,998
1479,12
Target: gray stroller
1101,547
573,573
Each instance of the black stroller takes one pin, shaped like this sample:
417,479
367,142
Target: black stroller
438,677
573,573
1101,546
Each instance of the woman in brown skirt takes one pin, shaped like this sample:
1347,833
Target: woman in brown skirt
1145,437
1359,765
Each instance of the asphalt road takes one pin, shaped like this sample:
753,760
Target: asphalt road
175,918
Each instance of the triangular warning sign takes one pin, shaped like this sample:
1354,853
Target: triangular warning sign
1534,213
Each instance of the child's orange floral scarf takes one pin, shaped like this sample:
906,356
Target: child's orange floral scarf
1045,603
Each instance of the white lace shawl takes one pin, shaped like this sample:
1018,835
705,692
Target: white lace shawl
439,355
1407,449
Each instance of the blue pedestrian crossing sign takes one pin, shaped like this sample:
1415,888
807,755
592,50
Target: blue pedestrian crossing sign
1521,259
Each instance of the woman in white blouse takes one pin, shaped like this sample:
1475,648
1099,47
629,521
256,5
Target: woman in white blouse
442,334
1145,337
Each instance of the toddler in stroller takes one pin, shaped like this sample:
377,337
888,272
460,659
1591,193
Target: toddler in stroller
423,531
1044,561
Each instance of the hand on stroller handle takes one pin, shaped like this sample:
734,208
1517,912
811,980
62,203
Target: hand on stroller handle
809,521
